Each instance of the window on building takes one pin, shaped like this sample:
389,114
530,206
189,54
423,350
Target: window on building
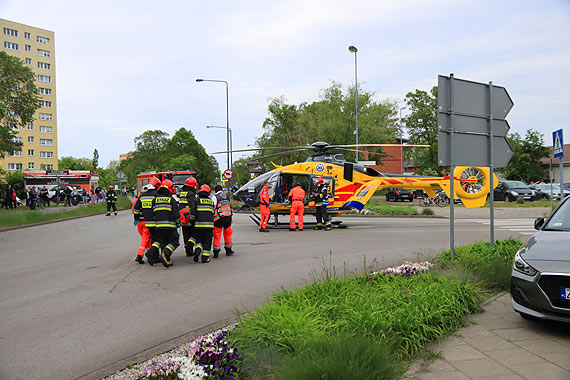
15,153
45,116
46,154
43,40
46,129
27,35
45,103
10,32
44,91
30,126
43,65
46,166
28,48
13,126
44,78
17,139
30,152
48,142
28,61
31,165
43,53
15,166
10,45
30,139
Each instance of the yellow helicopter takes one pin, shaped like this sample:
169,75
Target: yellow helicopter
351,185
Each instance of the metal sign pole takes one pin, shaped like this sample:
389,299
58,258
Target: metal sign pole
550,172
491,167
561,178
451,174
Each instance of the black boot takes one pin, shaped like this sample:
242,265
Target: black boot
197,253
165,259
216,253
318,228
205,259
229,251
139,259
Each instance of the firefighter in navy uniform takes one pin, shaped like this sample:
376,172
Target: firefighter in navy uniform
222,222
203,225
111,198
187,204
321,198
166,218
142,212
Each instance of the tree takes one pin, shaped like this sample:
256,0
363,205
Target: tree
421,125
95,160
525,164
72,163
19,100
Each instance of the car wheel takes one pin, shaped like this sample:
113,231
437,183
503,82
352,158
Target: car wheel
508,198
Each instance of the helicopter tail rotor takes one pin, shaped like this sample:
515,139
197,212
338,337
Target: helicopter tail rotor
471,185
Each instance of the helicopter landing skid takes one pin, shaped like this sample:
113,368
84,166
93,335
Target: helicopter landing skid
275,224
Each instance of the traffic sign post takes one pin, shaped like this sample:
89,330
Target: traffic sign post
471,121
229,174
558,150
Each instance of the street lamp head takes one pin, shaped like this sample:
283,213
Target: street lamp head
352,49
199,80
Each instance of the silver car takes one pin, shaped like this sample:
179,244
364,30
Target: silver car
540,280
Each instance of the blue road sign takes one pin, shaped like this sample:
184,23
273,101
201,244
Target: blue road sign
557,144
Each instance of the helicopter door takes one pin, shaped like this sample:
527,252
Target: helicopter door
287,181
330,185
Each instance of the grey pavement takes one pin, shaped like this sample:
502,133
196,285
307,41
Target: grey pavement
499,345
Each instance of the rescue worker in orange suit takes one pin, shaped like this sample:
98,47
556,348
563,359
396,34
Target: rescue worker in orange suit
222,222
111,198
166,218
321,198
264,207
187,204
141,222
296,197
203,225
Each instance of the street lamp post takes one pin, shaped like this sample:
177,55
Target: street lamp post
231,139
401,143
228,131
354,50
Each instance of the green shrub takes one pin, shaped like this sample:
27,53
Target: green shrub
340,357
489,265
427,211
520,200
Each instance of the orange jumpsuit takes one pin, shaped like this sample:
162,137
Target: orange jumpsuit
296,196
264,208
143,231
222,222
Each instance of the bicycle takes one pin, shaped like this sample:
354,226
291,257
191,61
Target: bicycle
440,200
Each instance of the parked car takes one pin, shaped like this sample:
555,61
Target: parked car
399,194
510,191
544,190
540,279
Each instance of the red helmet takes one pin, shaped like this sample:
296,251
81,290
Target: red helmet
154,182
111,187
320,179
167,183
191,181
205,188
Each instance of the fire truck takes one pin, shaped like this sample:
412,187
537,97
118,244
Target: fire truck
178,177
84,179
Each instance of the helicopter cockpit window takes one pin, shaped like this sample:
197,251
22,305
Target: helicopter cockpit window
257,182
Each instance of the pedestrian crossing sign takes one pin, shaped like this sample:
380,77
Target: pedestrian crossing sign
558,144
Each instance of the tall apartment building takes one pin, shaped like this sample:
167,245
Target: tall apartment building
36,48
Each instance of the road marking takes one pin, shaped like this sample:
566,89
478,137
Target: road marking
521,226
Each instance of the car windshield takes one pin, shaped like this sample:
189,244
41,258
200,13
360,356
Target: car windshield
560,220
547,187
515,185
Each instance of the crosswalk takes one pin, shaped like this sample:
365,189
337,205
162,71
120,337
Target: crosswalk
521,226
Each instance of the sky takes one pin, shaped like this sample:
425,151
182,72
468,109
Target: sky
124,67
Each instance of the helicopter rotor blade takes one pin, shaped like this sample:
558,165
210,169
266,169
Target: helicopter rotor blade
278,154
359,151
371,145
263,149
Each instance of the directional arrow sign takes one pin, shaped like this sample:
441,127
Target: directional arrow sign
474,107
471,98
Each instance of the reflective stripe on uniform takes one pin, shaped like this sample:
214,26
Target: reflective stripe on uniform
204,224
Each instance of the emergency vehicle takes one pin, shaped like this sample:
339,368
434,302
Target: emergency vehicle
178,177
81,179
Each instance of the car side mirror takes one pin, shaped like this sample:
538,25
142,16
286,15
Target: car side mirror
539,222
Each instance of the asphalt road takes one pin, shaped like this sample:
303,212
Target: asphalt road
73,302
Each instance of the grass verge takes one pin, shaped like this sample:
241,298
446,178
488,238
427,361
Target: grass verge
385,208
23,216
383,320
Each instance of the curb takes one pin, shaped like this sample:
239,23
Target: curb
11,228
